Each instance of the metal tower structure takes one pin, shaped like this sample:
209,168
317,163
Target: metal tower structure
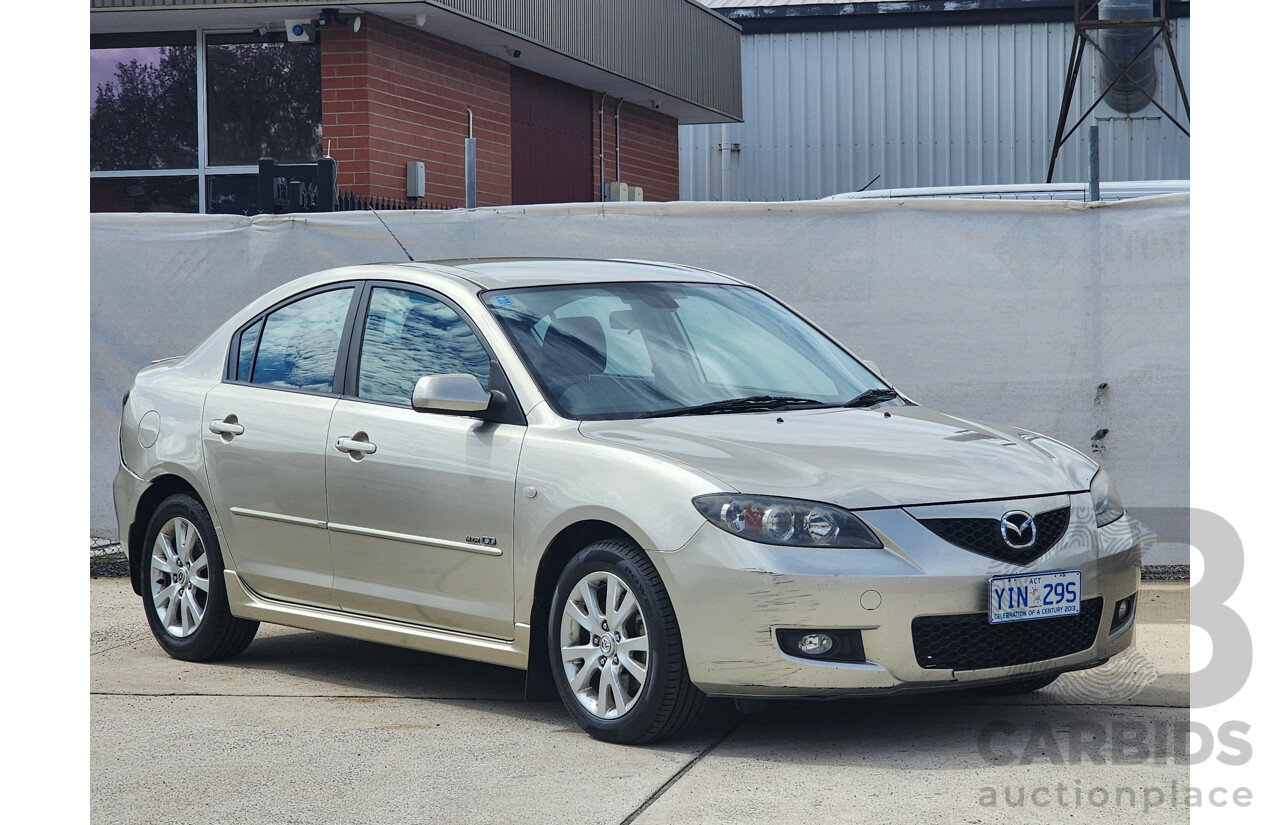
1089,20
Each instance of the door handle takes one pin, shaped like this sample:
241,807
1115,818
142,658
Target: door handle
222,427
348,444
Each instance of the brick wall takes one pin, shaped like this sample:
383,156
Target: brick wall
393,93
650,149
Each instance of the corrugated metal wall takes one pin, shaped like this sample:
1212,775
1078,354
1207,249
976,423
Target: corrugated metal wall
677,46
826,112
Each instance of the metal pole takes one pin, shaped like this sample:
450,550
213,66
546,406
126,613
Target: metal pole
1095,185
471,163
1068,91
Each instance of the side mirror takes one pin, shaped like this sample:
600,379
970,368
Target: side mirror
457,392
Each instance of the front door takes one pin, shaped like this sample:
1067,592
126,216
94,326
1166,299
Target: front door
421,519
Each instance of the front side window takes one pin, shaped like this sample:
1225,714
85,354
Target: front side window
298,345
408,335
628,350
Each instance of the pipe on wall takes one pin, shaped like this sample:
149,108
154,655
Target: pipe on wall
617,143
603,187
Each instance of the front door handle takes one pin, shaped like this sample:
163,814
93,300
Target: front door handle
352,444
223,427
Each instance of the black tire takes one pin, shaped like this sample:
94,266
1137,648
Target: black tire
667,702
217,634
1028,685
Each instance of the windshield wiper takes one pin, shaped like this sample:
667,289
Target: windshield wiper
871,397
748,404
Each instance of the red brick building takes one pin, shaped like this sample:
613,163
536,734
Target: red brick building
562,97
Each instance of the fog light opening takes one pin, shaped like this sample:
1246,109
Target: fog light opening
827,645
1123,613
815,644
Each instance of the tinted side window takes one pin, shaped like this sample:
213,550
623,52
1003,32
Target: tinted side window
248,342
299,346
408,335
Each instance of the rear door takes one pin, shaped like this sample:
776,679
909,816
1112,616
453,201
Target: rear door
264,437
421,524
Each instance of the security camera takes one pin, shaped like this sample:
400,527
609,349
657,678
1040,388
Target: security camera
300,31
657,104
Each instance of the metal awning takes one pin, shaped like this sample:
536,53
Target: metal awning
675,55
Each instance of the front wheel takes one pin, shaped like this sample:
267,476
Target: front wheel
615,647
184,595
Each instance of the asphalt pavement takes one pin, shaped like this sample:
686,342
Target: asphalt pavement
309,728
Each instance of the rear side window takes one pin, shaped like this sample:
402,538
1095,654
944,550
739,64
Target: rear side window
298,346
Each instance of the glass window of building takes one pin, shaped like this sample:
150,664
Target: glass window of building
147,151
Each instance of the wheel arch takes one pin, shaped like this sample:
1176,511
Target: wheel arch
157,491
539,684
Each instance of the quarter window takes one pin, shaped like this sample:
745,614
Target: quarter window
248,342
408,335
299,343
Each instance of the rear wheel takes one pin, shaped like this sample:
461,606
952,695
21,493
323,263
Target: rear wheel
616,653
184,595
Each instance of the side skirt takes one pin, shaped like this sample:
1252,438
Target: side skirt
247,604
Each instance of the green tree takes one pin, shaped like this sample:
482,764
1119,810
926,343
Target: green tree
264,101
146,117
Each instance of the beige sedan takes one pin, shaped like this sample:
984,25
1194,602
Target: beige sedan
644,484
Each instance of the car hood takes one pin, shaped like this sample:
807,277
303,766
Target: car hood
858,457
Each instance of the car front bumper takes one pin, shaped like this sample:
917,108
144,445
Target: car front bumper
731,596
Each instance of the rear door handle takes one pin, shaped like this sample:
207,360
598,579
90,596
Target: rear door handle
349,444
222,427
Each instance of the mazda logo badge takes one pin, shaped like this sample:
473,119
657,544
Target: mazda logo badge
1018,529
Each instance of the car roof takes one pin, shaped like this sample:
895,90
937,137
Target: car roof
508,273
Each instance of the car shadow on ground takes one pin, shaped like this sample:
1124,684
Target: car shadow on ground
939,730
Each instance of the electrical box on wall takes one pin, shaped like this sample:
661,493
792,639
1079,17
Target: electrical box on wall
621,191
415,179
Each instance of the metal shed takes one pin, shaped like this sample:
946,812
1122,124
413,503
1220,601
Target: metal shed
919,94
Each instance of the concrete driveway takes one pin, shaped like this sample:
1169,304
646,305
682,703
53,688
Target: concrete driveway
307,728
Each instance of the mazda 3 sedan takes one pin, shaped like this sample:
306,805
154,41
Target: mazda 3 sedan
643,484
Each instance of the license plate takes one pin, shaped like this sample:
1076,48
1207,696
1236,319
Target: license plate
1033,596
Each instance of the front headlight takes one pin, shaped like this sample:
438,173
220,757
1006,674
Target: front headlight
786,521
1106,500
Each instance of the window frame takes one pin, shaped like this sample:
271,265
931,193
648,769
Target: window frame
512,411
232,360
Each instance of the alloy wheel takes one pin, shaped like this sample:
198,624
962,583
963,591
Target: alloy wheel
179,577
604,646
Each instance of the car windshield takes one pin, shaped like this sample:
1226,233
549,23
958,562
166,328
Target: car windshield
631,350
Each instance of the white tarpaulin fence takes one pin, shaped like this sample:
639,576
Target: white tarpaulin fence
1006,311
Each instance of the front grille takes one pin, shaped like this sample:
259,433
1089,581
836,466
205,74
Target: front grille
982,535
968,641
